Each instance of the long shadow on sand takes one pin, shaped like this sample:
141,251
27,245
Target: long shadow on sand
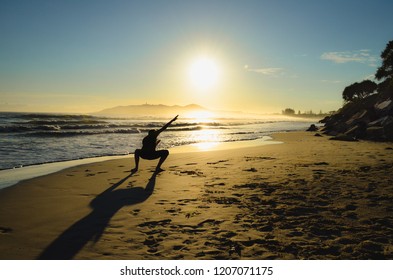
92,226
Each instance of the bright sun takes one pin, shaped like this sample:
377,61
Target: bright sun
204,73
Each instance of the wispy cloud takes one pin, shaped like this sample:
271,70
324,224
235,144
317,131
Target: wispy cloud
370,77
360,56
331,81
271,71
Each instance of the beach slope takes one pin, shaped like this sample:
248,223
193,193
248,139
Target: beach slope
308,198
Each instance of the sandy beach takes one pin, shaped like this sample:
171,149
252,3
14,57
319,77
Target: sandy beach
308,198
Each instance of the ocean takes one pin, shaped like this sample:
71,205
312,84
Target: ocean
34,138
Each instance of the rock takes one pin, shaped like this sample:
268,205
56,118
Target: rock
325,119
388,129
368,118
363,124
383,107
336,128
360,117
382,121
332,133
375,133
358,131
312,127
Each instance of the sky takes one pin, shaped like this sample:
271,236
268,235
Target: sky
82,56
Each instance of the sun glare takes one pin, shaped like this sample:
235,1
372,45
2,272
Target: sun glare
204,73
200,116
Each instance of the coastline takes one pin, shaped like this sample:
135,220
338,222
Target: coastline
308,198
10,177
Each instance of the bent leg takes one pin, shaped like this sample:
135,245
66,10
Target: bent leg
136,157
163,154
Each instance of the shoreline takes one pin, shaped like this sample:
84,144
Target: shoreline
12,176
308,198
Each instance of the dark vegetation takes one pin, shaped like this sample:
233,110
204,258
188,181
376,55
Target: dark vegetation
306,114
368,109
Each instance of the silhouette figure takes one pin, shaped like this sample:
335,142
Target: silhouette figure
92,226
148,151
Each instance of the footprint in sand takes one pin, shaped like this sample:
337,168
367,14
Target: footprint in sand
189,241
217,162
365,168
5,230
192,173
259,158
295,233
351,207
208,184
179,247
250,170
173,211
186,200
162,202
321,163
210,222
114,179
152,243
192,214
155,223
86,194
89,173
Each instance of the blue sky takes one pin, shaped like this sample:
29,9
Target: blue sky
82,56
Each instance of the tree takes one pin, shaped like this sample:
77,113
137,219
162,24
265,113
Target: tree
349,92
382,86
359,90
288,111
386,70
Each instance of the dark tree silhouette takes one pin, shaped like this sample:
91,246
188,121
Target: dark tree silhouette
386,70
288,111
359,90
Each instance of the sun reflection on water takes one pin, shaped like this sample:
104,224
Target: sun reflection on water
206,139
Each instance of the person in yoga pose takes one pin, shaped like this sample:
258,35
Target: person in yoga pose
148,150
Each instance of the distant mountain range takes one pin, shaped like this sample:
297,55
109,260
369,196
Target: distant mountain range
160,110
149,110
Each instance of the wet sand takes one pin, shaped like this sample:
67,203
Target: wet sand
308,198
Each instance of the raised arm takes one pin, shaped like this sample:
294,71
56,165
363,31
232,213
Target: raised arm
168,124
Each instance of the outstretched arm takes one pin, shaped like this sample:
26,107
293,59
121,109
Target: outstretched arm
168,124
